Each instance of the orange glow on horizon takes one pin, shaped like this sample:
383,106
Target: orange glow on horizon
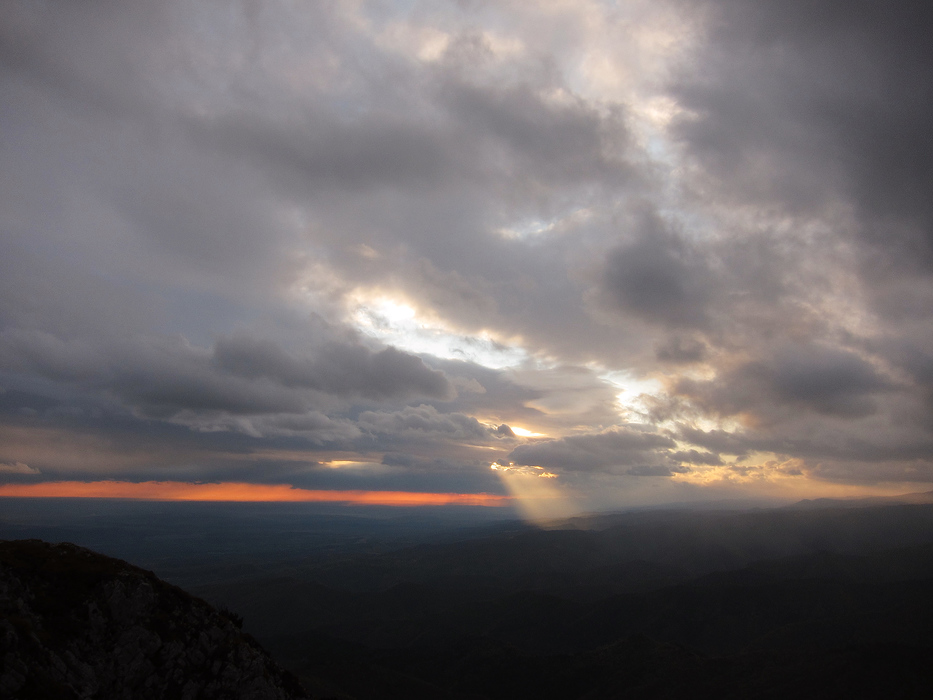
230,491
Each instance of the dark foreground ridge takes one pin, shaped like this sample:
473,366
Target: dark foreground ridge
76,624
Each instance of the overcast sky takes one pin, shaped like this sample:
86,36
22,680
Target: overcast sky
641,250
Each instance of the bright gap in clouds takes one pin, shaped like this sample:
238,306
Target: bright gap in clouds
525,433
632,390
529,229
397,323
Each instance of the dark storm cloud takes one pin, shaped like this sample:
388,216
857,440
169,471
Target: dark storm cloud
29,350
700,287
801,292
308,426
718,441
65,47
366,154
864,457
335,368
823,380
491,131
915,359
680,350
240,375
809,438
166,383
566,142
657,470
482,389
600,452
805,101
659,277
424,422
427,465
694,457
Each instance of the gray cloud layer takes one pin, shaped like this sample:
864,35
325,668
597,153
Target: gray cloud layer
373,234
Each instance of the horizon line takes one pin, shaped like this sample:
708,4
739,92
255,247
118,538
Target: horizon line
241,492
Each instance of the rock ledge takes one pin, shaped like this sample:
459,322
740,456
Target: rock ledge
76,624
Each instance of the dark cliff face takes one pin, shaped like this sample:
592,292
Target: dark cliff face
76,624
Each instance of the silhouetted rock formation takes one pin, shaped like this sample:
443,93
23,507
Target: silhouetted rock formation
76,624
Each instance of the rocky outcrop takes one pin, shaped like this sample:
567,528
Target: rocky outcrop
76,624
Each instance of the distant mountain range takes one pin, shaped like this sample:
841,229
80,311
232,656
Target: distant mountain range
866,501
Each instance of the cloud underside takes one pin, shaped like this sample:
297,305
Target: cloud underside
366,246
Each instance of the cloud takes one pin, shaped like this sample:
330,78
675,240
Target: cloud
680,350
311,426
659,470
659,278
803,102
336,368
366,154
606,451
17,468
424,422
556,141
705,246
167,377
819,379
694,457
242,384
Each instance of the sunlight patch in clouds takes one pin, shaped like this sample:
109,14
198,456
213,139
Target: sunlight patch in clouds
397,323
525,433
523,470
633,391
532,228
527,229
351,464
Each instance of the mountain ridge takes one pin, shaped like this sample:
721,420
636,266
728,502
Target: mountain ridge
77,624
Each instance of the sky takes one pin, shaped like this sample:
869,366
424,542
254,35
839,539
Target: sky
583,254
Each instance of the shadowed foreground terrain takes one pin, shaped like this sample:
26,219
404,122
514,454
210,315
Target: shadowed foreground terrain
76,624
830,602
818,600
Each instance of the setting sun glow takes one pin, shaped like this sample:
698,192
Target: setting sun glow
182,491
